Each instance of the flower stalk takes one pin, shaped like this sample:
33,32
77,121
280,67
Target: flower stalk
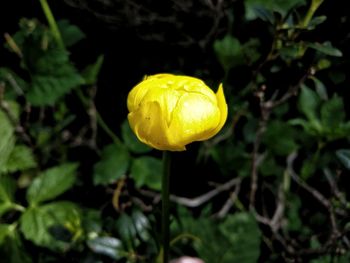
165,206
52,23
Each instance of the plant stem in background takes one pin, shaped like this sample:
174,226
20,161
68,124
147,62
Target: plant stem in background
86,103
165,206
52,22
315,4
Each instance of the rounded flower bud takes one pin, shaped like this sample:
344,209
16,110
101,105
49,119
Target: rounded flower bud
167,112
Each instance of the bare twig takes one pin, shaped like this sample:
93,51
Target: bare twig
197,201
266,108
230,202
316,194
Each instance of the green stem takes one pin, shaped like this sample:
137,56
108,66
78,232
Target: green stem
165,206
52,23
315,4
99,120
107,130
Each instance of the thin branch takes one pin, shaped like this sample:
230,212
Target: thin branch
230,202
316,194
197,201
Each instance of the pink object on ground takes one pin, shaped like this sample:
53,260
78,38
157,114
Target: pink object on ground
187,260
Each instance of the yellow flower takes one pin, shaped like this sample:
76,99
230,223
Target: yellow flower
167,112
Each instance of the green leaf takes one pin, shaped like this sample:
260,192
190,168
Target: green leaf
131,227
53,76
250,50
309,103
70,34
5,230
325,48
91,221
47,90
20,159
131,141
108,246
255,8
320,88
147,171
280,145
12,248
332,113
237,239
308,168
344,157
292,51
232,157
7,192
269,167
7,140
51,183
316,21
294,219
37,223
90,73
113,165
242,231
229,52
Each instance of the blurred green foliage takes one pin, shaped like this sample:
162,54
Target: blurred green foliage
286,140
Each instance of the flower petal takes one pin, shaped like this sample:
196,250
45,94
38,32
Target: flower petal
221,102
193,117
150,126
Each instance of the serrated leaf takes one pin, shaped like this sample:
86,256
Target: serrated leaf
70,34
243,233
36,223
113,164
7,140
131,141
47,90
53,77
20,159
91,72
51,183
344,156
147,171
108,246
325,48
